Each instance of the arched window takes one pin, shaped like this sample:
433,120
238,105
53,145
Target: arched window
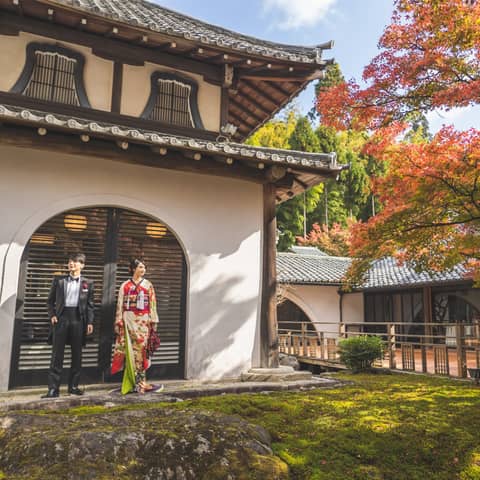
173,100
54,74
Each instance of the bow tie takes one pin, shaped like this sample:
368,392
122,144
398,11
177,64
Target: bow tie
72,279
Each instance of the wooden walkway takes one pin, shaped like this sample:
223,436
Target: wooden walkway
437,359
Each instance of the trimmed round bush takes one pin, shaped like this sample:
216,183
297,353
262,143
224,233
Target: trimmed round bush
359,353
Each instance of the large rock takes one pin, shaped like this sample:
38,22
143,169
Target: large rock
288,361
150,444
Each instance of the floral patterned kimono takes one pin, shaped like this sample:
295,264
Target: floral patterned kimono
136,314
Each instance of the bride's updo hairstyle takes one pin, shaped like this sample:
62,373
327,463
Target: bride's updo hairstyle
135,263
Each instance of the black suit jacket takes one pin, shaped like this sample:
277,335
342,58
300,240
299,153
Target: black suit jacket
56,302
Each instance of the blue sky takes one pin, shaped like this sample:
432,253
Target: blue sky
354,25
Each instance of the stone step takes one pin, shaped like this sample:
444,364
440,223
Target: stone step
280,374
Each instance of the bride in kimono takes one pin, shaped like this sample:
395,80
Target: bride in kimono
136,317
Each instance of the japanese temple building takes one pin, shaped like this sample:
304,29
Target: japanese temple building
121,130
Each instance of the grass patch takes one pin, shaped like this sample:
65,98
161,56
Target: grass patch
380,427
385,427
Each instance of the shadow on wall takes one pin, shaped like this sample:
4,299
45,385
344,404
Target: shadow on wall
223,328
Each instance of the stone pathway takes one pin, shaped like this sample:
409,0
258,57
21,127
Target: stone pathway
175,390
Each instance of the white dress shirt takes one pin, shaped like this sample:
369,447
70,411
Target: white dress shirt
73,291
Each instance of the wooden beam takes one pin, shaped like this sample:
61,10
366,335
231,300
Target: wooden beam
115,47
9,30
166,46
251,86
71,144
243,109
17,4
254,101
285,182
117,57
276,172
278,89
283,75
428,320
268,315
222,57
302,184
242,124
224,105
117,87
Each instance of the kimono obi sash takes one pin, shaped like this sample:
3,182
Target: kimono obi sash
136,298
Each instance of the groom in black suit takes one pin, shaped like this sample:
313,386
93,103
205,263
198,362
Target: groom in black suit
71,310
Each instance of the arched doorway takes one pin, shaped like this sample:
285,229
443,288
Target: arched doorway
290,318
109,237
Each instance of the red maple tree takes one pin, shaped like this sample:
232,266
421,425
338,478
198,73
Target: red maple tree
429,59
335,240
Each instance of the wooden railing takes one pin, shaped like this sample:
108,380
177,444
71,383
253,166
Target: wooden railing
441,348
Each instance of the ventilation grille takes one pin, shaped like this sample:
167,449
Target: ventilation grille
172,104
53,79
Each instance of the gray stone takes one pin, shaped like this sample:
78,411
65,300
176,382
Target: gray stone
281,374
288,361
155,443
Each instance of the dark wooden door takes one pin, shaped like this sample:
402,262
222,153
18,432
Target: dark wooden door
109,237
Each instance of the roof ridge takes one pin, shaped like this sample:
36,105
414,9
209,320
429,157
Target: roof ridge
149,15
226,30
335,257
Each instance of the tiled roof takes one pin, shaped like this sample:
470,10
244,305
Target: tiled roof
150,16
307,250
311,269
319,161
388,273
297,268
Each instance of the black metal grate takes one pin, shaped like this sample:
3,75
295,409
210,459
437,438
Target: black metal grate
53,79
172,104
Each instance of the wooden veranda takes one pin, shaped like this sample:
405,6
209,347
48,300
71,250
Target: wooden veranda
449,349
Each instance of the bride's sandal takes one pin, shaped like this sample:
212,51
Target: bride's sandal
145,387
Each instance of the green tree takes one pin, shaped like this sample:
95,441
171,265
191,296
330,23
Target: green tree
346,197
276,133
291,215
355,184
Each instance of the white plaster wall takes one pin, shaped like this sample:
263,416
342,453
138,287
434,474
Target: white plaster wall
320,303
217,220
137,86
97,75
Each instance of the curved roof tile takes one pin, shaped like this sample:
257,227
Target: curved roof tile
298,268
160,19
320,161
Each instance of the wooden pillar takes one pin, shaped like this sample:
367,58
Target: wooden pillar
224,105
116,102
461,352
268,320
427,325
392,362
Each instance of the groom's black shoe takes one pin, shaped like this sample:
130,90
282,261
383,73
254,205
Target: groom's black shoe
75,391
52,393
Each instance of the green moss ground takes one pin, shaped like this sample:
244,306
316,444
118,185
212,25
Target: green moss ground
389,427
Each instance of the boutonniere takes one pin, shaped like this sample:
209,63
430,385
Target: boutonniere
85,286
